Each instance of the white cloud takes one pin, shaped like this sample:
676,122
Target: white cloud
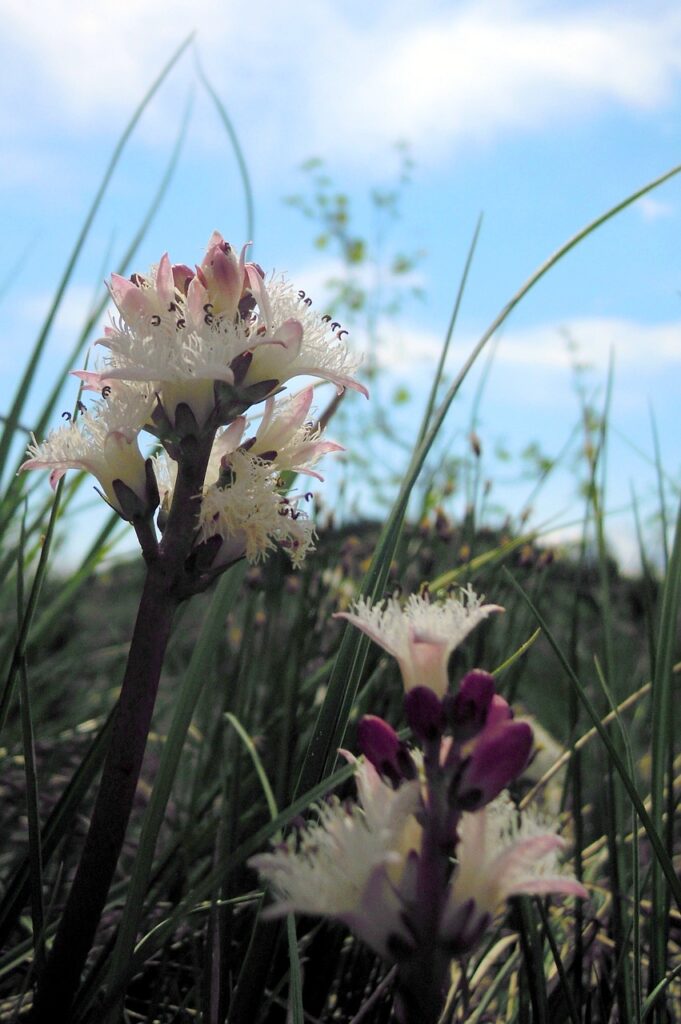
344,80
547,349
653,209
635,346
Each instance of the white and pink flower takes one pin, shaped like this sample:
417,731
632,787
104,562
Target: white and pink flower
183,331
421,634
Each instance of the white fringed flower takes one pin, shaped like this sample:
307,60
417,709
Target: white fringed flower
102,442
250,514
307,346
358,863
183,331
502,853
282,436
349,863
242,500
421,634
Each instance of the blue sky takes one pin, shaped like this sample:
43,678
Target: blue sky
539,115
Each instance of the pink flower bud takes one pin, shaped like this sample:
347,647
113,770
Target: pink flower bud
498,758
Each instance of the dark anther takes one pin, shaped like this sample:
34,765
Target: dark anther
172,307
106,391
81,406
335,326
156,320
341,333
137,280
308,301
326,318
308,496
208,308
180,324
208,318
301,294
66,416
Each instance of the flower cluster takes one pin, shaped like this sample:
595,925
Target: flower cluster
188,332
187,353
422,863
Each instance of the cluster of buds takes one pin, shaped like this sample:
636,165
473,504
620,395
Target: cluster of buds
188,352
422,863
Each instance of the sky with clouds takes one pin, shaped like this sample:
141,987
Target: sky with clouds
539,115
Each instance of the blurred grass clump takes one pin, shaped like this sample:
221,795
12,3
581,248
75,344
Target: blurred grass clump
261,683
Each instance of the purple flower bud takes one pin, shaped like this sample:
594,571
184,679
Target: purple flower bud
424,712
381,745
498,758
467,710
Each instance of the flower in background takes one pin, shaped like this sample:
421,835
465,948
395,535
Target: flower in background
501,853
350,863
421,864
421,634
358,863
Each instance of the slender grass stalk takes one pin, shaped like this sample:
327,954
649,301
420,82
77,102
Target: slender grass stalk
207,884
32,811
634,925
662,721
235,144
558,960
444,351
15,412
615,805
654,837
55,828
664,524
29,612
344,681
532,948
295,989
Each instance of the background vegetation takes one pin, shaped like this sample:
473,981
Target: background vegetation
261,686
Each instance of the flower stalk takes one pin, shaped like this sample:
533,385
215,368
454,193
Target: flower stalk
188,354
423,862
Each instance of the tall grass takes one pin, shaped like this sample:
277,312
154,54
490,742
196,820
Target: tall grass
261,687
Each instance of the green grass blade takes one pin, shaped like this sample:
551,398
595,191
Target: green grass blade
236,146
31,605
34,848
295,991
257,763
35,859
345,677
664,525
558,961
531,945
93,318
432,398
17,406
658,991
662,740
56,826
634,1009
654,837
